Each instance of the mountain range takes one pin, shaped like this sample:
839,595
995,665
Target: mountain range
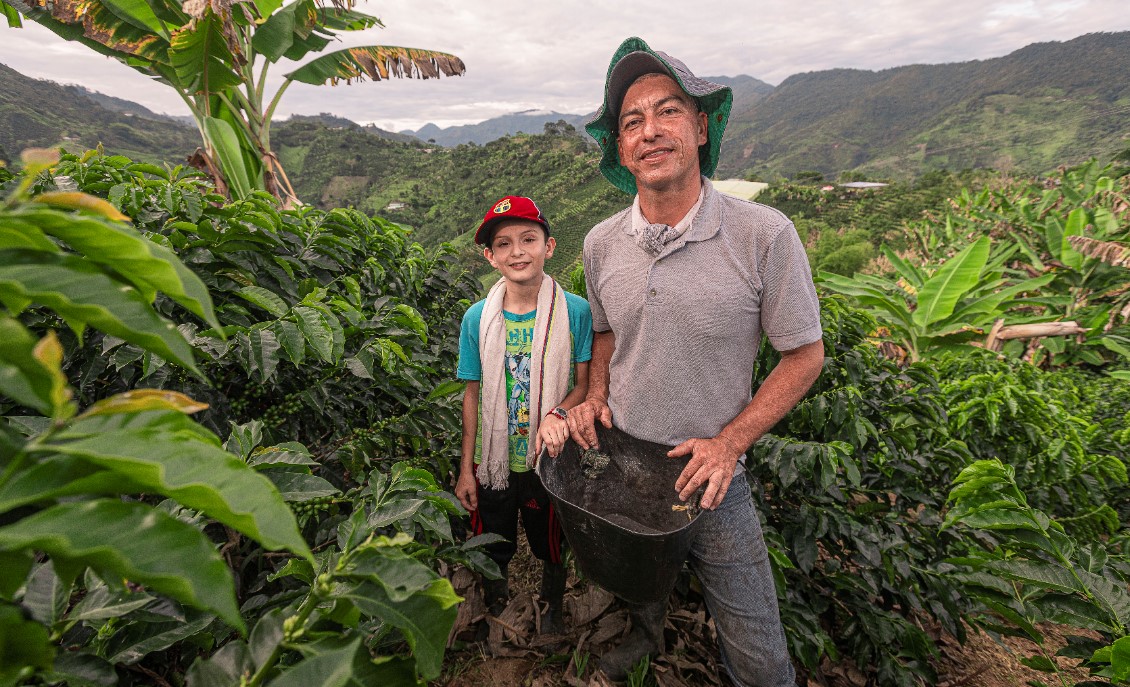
747,90
1044,105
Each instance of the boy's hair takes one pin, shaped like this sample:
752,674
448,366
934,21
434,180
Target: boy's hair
510,207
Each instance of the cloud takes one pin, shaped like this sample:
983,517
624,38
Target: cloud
523,55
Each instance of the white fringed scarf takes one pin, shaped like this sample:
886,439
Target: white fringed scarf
549,374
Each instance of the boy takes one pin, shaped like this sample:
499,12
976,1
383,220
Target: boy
517,348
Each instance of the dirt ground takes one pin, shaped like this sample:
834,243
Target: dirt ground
514,653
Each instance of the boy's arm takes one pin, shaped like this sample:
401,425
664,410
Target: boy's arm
552,430
465,488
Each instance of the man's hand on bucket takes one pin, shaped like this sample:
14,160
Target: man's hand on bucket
712,463
582,421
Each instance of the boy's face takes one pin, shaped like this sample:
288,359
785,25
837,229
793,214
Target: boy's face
519,249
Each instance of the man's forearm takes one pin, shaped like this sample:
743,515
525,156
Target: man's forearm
603,344
789,381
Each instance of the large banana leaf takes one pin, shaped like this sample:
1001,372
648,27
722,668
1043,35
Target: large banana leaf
138,13
225,142
130,541
301,28
205,56
95,26
378,62
11,14
940,294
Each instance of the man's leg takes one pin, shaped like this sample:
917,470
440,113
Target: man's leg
645,639
730,559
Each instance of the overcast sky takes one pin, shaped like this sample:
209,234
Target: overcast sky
524,55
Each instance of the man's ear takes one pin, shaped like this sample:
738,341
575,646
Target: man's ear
702,128
489,255
550,244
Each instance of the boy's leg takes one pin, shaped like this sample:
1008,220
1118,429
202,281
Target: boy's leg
543,531
498,514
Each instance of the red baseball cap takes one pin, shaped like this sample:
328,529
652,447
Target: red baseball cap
510,207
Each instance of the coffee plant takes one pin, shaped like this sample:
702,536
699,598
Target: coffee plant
135,546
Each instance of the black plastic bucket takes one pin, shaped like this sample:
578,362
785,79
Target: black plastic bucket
627,528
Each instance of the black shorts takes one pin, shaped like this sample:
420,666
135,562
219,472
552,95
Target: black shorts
498,513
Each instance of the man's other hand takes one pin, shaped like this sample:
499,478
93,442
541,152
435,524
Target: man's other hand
712,463
583,418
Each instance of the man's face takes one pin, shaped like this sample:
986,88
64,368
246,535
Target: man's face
519,249
659,132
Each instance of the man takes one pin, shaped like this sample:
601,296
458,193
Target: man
682,285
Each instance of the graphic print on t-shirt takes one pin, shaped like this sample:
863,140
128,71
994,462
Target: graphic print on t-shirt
519,350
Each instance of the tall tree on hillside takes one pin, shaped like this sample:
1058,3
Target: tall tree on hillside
216,54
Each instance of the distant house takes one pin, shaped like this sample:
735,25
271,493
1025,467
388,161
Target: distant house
396,205
738,188
863,184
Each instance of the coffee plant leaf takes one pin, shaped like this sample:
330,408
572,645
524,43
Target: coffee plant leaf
286,453
100,602
84,202
260,351
18,233
82,669
30,371
291,339
425,618
265,299
139,639
337,668
317,331
46,596
228,666
1067,609
299,568
147,265
134,542
23,645
297,487
265,637
58,477
198,475
399,574
82,293
145,399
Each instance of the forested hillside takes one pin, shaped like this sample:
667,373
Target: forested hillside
443,192
37,114
1023,112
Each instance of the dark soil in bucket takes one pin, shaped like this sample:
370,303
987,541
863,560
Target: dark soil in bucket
628,482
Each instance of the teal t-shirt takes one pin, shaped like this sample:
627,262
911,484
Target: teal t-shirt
519,350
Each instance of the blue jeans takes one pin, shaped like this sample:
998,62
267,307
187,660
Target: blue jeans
730,560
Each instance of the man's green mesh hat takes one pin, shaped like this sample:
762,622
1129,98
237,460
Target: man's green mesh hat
632,60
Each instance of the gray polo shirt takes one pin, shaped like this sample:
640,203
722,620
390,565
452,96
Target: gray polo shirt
688,322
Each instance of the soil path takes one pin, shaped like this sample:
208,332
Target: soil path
514,654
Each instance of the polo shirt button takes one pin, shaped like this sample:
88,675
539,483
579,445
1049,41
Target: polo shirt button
652,292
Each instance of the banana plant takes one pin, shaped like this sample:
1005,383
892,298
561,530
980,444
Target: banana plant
1074,229
929,310
216,55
